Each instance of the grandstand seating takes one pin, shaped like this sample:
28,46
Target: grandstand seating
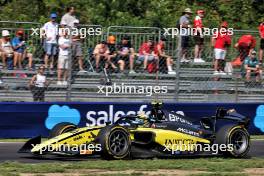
196,82
196,85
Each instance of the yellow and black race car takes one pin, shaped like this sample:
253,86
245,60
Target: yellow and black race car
161,134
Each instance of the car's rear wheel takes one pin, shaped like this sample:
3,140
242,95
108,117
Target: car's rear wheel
115,142
236,139
61,128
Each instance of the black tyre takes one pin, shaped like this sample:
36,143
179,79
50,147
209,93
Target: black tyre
237,137
61,128
115,142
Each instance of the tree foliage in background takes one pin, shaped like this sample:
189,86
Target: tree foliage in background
241,14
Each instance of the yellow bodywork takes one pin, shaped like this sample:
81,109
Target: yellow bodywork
85,135
174,140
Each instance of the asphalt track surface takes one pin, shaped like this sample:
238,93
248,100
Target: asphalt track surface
8,152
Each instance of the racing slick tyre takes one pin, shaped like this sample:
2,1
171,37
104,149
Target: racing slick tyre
115,142
61,128
235,136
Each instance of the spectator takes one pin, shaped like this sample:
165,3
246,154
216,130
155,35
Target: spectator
159,51
112,52
38,85
184,34
126,54
101,51
51,30
261,33
251,66
244,45
6,49
220,41
30,50
68,19
146,53
77,52
19,48
63,60
199,38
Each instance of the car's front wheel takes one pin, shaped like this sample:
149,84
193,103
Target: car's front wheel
61,128
115,142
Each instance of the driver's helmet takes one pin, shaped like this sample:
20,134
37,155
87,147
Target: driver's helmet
156,111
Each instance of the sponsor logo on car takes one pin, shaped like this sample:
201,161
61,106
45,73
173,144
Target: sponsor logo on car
76,138
175,118
178,141
186,131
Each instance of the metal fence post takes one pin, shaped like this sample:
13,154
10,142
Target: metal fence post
177,80
69,86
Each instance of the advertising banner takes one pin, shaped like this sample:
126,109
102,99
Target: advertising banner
24,120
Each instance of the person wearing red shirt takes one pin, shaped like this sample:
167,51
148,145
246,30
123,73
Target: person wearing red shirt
220,41
261,33
245,44
159,51
146,52
199,40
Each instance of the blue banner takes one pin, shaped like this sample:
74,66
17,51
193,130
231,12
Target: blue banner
24,120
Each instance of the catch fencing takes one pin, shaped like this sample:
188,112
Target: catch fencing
194,82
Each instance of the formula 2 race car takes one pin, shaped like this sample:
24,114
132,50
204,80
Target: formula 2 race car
161,134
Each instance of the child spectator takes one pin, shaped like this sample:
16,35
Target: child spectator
30,50
19,48
251,67
51,30
38,85
101,51
159,51
245,44
199,38
6,50
126,55
63,60
220,41
261,33
112,52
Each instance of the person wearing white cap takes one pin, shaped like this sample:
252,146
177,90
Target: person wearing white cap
6,49
184,34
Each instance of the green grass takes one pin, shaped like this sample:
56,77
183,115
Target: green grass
212,165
